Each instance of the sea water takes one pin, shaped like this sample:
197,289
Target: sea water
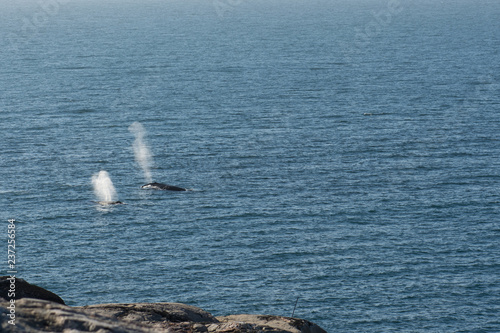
345,153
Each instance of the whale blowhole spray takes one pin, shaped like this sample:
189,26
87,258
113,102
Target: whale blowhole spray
141,150
104,189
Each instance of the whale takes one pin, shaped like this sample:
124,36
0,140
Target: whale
110,202
165,187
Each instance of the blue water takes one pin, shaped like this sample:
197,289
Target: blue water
346,153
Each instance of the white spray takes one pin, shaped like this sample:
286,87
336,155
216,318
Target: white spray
103,187
141,150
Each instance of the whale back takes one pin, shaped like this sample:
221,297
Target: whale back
165,187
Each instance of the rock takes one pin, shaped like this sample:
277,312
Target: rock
36,315
151,313
276,323
24,289
200,328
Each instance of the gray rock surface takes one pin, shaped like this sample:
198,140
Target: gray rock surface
152,314
278,323
33,316
37,315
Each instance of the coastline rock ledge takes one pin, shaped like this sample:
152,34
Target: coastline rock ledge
35,313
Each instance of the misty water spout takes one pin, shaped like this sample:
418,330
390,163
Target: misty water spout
103,188
141,150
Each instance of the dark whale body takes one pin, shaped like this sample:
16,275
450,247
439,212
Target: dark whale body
110,202
160,186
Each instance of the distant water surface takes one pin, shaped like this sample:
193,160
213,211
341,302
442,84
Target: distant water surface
345,153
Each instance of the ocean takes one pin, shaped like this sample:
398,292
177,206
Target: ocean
341,154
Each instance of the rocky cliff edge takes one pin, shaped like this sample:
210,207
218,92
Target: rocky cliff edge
38,310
